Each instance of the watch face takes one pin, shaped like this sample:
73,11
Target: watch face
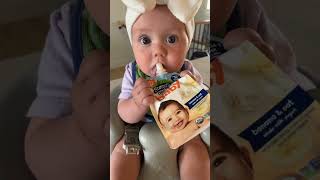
131,137
131,142
132,149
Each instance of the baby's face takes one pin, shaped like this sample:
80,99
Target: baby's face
173,118
99,10
228,165
158,36
222,9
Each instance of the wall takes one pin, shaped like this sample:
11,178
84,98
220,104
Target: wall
298,20
120,48
24,26
203,13
15,10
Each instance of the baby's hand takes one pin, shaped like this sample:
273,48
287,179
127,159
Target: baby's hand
235,37
142,94
90,102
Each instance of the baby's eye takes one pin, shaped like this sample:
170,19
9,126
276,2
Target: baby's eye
169,119
178,112
172,39
218,161
144,40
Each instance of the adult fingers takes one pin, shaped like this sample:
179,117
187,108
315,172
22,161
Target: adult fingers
236,37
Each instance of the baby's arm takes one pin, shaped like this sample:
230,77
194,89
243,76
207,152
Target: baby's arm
132,110
74,146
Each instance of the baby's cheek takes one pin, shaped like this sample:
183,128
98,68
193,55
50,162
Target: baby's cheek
174,65
165,125
169,125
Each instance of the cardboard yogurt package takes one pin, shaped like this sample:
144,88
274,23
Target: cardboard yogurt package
268,115
181,109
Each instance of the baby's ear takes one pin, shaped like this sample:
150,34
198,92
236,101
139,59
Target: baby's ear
160,123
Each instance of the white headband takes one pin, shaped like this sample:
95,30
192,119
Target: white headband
184,10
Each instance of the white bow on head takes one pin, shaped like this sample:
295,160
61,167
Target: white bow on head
184,10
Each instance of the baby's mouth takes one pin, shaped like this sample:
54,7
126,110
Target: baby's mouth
153,71
178,124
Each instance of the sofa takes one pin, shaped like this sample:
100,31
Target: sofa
18,82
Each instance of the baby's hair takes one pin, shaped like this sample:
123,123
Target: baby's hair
217,135
164,104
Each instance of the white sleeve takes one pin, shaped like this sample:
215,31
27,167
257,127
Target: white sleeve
127,83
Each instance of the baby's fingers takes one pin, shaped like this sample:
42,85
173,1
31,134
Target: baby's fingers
139,86
148,100
141,95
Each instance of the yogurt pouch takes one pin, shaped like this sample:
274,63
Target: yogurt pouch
263,111
181,107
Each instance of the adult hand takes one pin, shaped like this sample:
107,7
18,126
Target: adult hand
235,37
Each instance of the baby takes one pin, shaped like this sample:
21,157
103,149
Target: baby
173,116
159,33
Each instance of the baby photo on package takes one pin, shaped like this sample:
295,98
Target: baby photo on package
182,111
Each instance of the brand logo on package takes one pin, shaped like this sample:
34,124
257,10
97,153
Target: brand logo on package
175,77
173,87
280,116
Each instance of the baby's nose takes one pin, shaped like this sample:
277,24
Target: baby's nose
159,50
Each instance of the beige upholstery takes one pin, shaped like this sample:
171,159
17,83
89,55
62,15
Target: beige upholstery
159,160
